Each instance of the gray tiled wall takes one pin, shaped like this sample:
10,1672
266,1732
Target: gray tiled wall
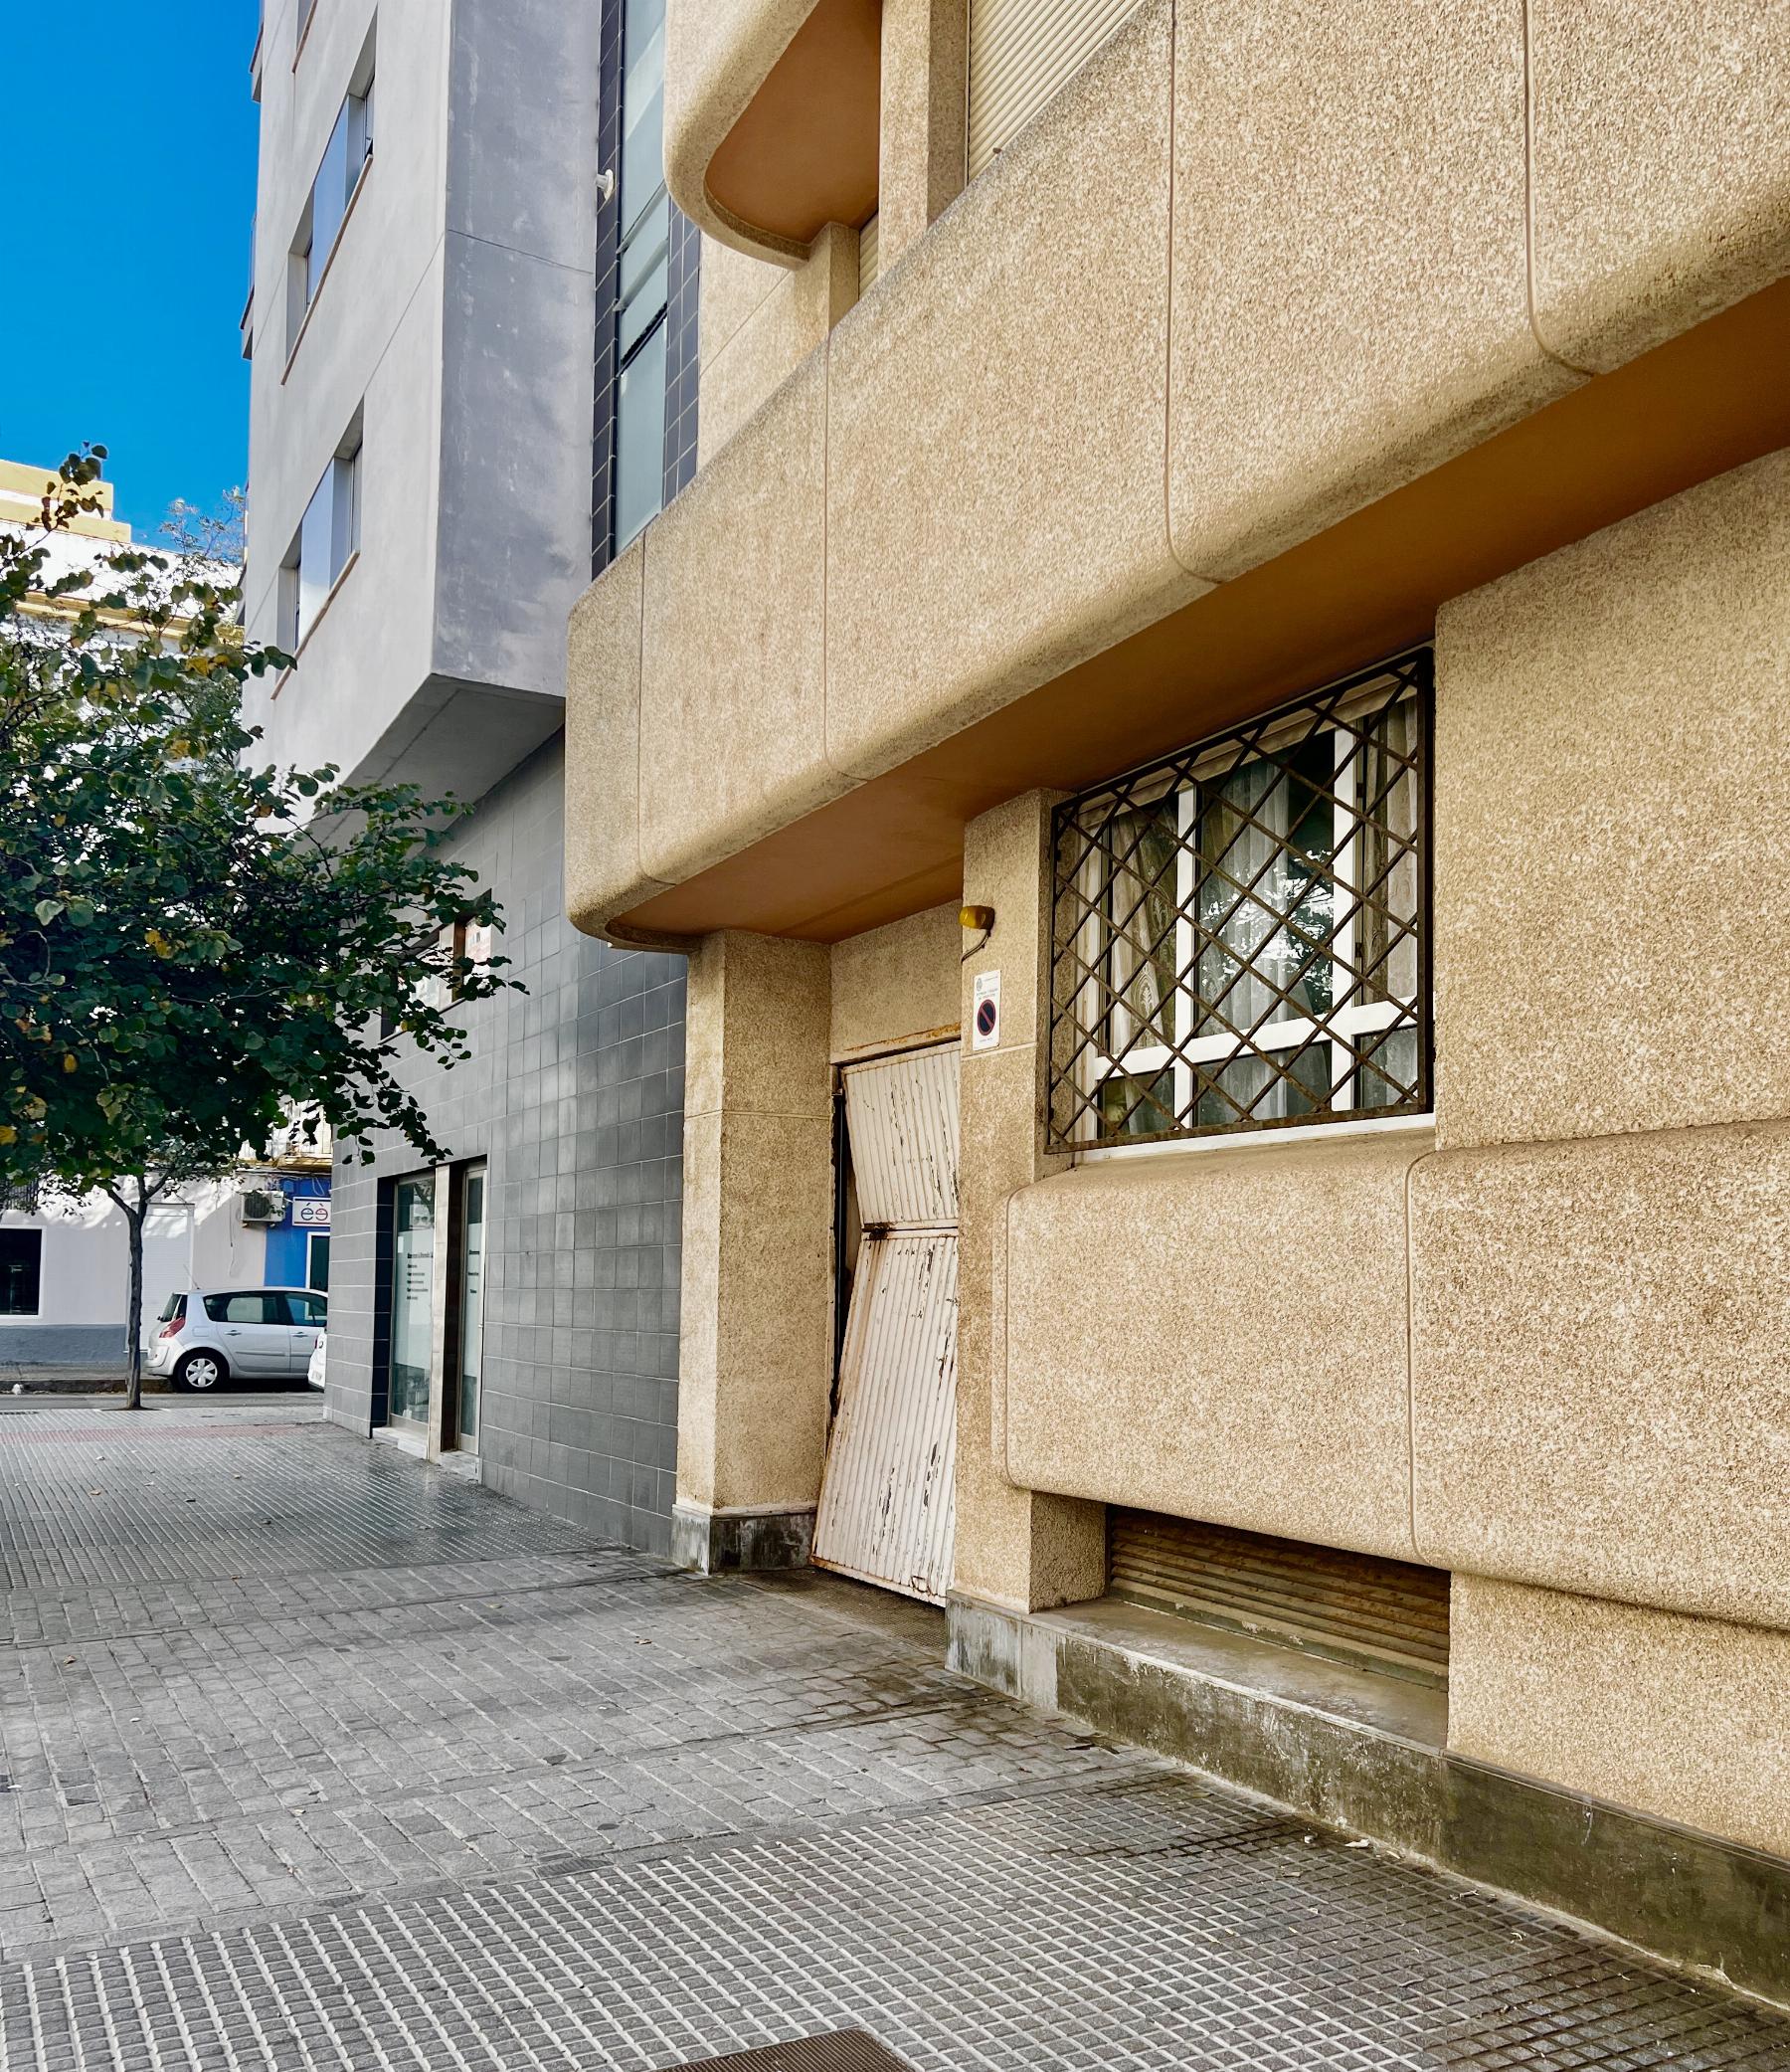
573,1095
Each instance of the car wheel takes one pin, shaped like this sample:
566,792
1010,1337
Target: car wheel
201,1371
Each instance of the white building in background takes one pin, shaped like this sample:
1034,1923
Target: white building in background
63,1268
65,1265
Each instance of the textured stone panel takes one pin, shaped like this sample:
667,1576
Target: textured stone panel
1686,1718
734,284
778,335
756,1346
731,723
1662,186
996,417
1351,273
1220,1334
895,982
1612,764
602,747
1600,1397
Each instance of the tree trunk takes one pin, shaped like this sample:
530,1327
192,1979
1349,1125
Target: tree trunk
134,1301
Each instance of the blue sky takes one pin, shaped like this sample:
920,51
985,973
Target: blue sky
131,146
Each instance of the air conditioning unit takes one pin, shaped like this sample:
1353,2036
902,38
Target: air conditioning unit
260,1208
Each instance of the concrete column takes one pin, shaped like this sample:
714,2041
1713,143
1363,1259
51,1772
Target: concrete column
756,1343
925,61
1014,1547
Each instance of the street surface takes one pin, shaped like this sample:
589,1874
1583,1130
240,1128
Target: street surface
315,1756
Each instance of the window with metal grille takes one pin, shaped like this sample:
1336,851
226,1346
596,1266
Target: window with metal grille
1240,934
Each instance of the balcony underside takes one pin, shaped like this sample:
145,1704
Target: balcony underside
1708,401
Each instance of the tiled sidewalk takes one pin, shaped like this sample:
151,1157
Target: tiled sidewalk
318,1757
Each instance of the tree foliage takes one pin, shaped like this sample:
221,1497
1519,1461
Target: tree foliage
195,944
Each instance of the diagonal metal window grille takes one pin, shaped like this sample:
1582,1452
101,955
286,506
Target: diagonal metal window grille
1241,933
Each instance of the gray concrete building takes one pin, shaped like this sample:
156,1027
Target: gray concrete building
472,321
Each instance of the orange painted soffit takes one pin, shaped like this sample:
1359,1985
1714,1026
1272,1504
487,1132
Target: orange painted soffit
804,153
1708,401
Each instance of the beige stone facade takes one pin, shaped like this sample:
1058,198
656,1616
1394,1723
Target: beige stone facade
1256,357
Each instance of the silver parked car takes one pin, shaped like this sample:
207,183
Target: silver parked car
217,1335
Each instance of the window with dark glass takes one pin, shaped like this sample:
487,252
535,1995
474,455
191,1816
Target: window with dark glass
250,1306
21,1272
1241,932
643,274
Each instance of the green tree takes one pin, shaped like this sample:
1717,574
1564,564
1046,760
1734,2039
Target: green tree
195,946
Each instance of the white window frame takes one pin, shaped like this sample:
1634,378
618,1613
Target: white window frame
1149,1061
337,497
307,267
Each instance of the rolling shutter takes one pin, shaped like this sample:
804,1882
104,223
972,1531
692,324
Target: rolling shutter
867,256
1020,53
1372,1614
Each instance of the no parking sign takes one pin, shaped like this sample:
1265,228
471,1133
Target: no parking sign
985,1021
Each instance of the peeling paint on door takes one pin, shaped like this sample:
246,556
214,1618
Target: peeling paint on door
887,1511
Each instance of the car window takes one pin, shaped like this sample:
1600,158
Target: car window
255,1308
307,1309
175,1306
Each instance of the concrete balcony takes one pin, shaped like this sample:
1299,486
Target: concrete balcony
772,117
1251,350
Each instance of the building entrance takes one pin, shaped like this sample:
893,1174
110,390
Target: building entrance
413,1299
887,1511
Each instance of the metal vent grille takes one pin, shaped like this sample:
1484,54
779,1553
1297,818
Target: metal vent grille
1387,1615
1240,934
844,2050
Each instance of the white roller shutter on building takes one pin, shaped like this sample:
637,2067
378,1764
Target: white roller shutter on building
1020,53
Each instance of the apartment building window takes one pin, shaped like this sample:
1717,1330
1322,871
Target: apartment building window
345,160
302,26
21,1272
1021,52
327,540
644,275
1240,933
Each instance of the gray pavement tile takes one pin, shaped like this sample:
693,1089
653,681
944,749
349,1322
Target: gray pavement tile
347,1762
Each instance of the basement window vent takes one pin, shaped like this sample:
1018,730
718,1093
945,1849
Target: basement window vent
1390,1617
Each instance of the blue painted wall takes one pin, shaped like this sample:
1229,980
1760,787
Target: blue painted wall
288,1243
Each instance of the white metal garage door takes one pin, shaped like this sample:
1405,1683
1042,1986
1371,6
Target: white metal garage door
886,1502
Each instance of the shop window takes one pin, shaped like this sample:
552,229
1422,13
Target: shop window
1240,933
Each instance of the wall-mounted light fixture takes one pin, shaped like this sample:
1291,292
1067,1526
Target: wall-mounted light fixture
981,917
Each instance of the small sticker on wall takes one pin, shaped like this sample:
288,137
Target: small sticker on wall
984,1020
